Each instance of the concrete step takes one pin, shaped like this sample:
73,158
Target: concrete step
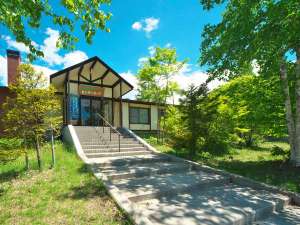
111,145
229,205
129,161
91,138
101,142
144,169
122,149
139,188
289,216
116,154
104,135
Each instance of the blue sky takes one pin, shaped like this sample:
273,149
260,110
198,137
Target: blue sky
136,26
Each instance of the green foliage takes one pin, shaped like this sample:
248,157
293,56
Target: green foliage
33,108
10,149
254,105
252,30
19,15
240,112
195,117
174,126
278,151
155,76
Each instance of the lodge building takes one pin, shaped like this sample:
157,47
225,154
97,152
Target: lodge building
92,87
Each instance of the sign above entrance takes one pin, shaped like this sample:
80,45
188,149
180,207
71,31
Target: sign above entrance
89,90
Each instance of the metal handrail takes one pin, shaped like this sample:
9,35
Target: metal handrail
110,130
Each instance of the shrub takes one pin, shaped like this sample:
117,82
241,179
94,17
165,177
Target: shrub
10,149
278,151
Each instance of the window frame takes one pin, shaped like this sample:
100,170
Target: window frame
139,108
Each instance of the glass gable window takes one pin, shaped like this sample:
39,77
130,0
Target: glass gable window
139,115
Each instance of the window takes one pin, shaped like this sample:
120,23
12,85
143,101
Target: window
139,115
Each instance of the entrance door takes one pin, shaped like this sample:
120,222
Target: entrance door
95,109
89,109
86,119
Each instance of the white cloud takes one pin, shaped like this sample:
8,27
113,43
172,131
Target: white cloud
132,79
3,71
137,25
147,25
151,24
49,48
151,50
45,70
74,57
17,45
141,61
51,52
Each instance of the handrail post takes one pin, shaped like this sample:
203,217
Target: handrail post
103,125
110,134
119,144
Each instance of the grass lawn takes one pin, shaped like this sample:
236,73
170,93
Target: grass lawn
256,163
67,194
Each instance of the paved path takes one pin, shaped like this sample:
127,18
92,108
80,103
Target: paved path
158,189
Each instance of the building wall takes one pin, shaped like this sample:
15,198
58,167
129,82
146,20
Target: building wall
116,114
125,112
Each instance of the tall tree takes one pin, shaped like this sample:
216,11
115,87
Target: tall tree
32,109
264,32
193,114
18,15
256,106
155,76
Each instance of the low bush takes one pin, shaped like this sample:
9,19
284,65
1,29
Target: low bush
278,151
10,149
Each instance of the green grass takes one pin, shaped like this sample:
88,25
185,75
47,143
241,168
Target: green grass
67,194
256,163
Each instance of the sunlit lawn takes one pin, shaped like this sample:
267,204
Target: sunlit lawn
68,194
256,163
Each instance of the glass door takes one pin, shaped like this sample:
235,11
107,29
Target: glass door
85,112
95,108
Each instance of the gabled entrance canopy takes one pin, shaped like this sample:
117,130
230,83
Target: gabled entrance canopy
92,72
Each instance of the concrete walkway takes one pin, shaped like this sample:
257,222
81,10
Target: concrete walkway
159,189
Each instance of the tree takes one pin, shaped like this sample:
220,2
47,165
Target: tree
155,76
18,15
264,32
193,114
256,106
32,110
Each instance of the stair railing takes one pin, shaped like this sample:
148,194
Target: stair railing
111,129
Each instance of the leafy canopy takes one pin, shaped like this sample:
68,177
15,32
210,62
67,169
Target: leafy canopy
33,108
155,76
17,16
265,31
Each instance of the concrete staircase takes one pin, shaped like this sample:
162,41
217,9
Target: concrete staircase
159,189
99,142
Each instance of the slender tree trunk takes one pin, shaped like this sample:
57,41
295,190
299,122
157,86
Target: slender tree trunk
26,154
52,149
297,90
26,160
38,152
288,108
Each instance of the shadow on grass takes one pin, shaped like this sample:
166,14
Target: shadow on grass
88,189
271,172
9,175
